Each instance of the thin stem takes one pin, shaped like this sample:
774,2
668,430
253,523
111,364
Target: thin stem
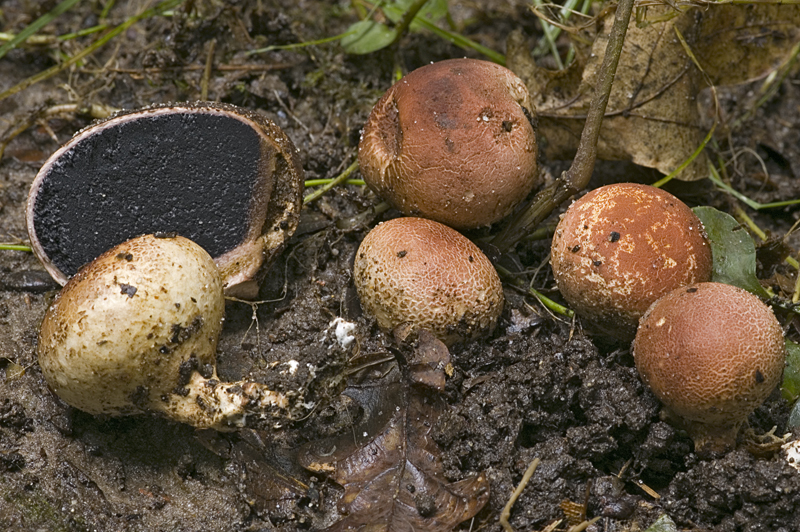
408,17
550,36
15,247
667,178
317,182
207,70
341,178
546,302
579,174
106,9
715,178
551,305
52,39
296,45
455,38
506,513
545,202
82,33
577,177
363,219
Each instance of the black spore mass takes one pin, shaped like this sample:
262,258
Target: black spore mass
187,172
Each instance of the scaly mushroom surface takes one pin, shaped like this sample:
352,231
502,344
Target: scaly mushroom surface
711,353
620,247
136,331
420,272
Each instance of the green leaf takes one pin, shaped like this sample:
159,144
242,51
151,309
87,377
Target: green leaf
432,11
732,249
663,524
790,389
367,36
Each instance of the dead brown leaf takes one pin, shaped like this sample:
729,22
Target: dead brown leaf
739,43
428,361
390,467
652,117
274,483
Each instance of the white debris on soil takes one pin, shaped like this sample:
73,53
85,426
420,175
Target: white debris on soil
293,365
344,332
792,452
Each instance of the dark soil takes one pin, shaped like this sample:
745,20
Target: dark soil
539,387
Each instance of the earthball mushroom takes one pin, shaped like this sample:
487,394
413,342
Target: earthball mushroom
452,141
711,353
136,331
420,272
222,176
620,247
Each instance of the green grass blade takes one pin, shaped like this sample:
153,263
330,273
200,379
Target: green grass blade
455,38
715,178
666,179
36,25
15,247
41,76
341,178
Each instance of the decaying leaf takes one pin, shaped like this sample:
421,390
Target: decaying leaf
738,43
13,370
273,482
652,117
429,361
389,465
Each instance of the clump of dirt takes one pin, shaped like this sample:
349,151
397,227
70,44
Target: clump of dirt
538,388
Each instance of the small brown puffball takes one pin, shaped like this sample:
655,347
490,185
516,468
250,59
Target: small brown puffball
417,271
452,141
711,353
620,247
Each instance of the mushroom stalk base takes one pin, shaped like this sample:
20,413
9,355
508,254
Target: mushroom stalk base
710,440
224,406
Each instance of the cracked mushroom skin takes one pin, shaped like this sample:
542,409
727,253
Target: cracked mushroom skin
223,176
136,331
711,353
420,272
619,248
452,141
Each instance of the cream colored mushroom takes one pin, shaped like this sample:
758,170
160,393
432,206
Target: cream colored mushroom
136,331
423,273
711,353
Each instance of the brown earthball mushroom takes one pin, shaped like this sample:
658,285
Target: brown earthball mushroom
452,141
420,272
711,353
620,247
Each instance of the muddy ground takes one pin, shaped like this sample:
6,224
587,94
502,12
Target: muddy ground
539,387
